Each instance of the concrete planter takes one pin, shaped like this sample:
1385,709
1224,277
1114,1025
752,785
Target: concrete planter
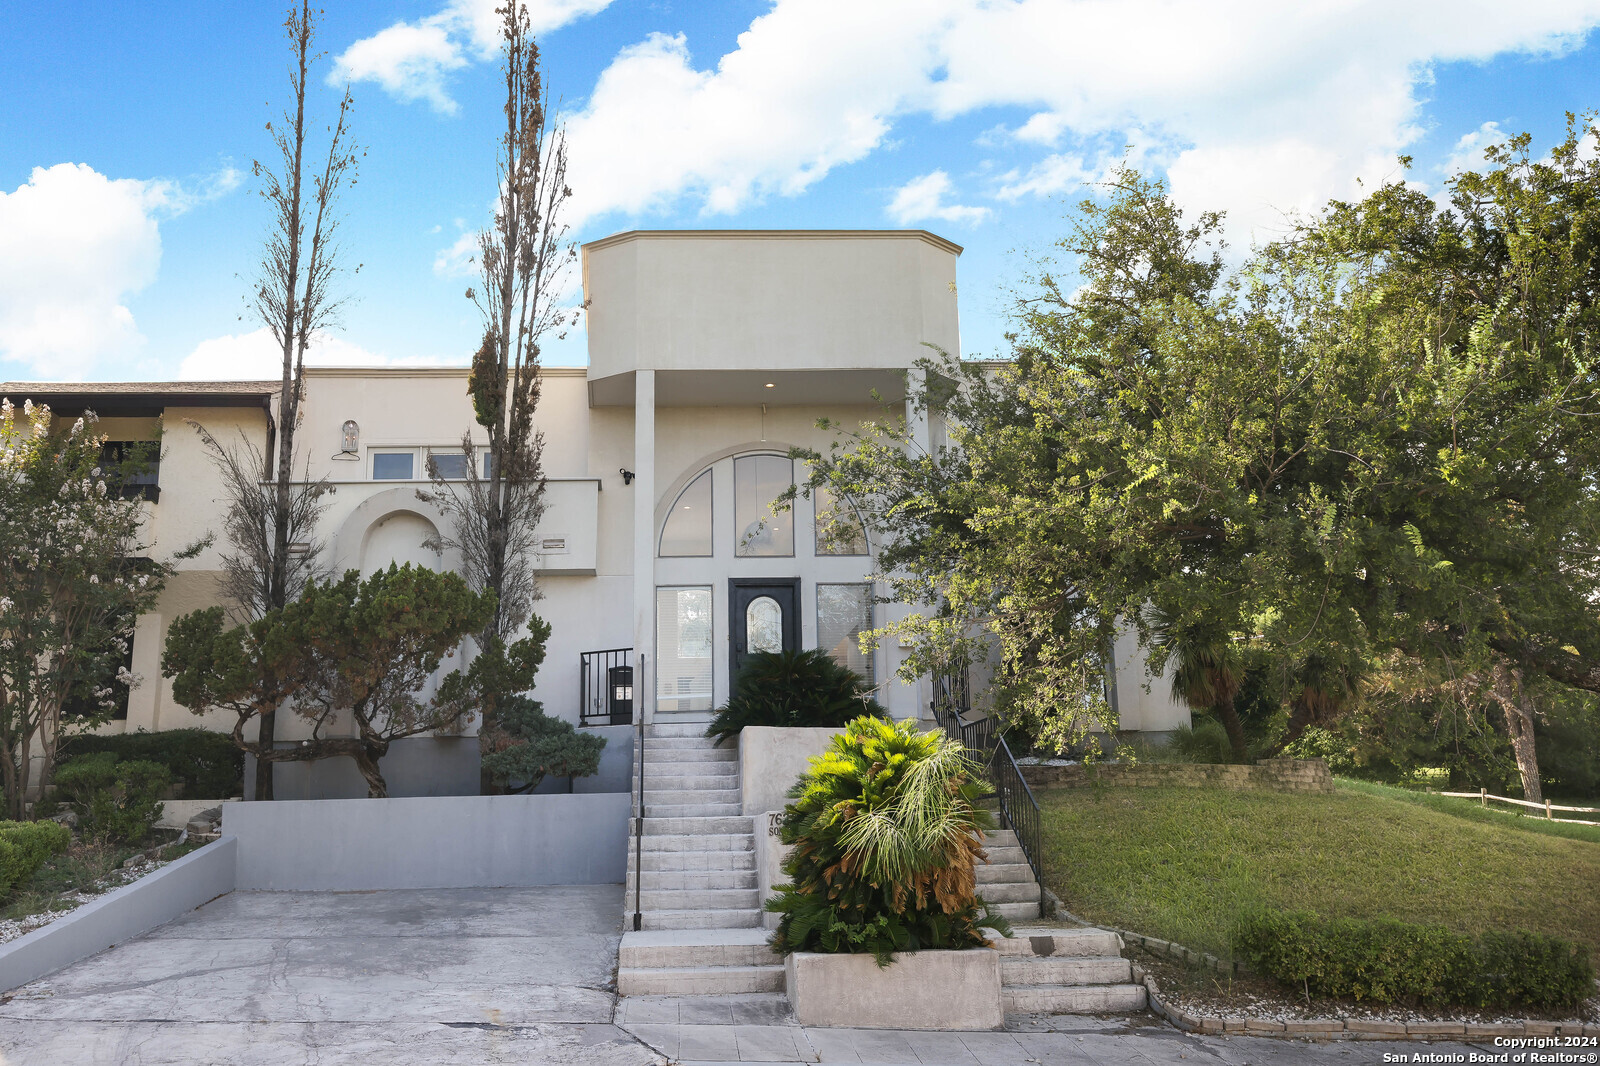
771,760
954,990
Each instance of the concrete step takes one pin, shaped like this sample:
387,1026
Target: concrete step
998,873
740,823
697,783
699,980
720,768
1000,838
694,879
1074,999
741,918
1018,912
677,730
681,948
1067,970
694,842
673,796
689,810
707,899
708,861
703,747
1025,892
1047,942
1001,856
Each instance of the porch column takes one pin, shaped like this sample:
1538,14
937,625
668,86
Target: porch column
917,419
644,541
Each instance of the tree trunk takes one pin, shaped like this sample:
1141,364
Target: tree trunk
1512,696
1229,716
367,763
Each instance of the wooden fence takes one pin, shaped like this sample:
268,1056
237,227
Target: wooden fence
1549,809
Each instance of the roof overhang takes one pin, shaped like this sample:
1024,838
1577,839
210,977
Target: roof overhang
138,399
748,388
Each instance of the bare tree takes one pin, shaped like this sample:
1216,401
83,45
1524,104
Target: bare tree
293,297
524,258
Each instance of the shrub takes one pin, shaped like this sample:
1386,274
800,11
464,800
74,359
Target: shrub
24,847
886,833
208,764
539,745
1389,961
1205,742
793,688
115,801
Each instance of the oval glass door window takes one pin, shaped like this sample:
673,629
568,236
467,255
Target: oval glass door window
763,625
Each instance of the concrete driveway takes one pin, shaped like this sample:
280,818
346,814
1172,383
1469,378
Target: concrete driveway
445,976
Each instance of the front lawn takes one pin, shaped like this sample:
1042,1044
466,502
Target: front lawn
1180,864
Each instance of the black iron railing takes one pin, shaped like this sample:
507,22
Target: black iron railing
1018,809
606,693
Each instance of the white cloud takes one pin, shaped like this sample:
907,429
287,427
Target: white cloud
74,245
922,199
459,260
411,60
255,356
1469,149
1265,107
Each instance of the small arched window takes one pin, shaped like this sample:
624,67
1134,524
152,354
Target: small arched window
687,530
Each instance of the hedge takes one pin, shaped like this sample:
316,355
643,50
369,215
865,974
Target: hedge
1389,961
209,765
24,846
119,802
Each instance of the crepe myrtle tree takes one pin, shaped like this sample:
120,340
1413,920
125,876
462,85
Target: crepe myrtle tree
355,658
75,574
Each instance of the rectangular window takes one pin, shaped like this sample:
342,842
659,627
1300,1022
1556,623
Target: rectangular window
394,466
132,469
683,649
844,612
452,466
757,481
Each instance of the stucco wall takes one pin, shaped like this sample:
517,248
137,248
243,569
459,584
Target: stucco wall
438,842
772,759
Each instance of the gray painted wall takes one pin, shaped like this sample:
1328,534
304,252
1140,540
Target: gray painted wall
771,760
130,911
437,842
438,766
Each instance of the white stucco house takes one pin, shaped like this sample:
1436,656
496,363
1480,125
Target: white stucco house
711,354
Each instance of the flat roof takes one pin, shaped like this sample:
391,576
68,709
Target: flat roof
776,235
138,398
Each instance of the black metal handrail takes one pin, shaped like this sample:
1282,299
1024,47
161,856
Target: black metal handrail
1018,807
638,825
606,692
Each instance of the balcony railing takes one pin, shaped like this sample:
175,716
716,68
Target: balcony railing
606,692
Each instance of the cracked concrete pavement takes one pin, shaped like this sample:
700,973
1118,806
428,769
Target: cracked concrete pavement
448,976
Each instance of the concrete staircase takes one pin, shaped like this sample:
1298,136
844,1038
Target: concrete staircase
1066,971
701,913
1007,880
698,897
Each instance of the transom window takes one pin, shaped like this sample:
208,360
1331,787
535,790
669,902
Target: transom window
394,465
838,528
687,530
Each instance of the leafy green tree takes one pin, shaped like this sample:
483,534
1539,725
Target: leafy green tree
793,688
1375,437
357,656
74,575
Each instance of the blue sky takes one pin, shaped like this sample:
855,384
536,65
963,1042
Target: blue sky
129,225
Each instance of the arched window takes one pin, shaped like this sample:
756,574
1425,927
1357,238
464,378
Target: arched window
687,530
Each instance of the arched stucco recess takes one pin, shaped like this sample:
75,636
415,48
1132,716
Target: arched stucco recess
352,536
699,466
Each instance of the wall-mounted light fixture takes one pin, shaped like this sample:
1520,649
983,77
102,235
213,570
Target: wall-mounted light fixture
349,440
627,475
299,547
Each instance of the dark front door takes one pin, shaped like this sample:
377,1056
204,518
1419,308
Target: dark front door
764,616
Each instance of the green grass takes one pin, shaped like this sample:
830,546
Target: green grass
1181,864
76,869
1495,814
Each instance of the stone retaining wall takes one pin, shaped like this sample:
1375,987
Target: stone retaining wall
1276,775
